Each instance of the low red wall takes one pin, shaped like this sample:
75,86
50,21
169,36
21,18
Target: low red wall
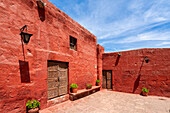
130,73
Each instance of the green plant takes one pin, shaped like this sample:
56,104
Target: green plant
89,85
32,104
73,85
145,90
97,81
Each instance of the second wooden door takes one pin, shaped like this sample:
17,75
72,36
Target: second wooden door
107,79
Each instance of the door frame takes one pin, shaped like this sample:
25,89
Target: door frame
106,78
67,77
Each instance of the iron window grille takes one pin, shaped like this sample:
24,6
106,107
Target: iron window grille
73,43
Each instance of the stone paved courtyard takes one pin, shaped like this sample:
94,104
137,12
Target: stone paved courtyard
113,102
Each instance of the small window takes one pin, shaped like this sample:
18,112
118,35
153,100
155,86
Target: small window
73,43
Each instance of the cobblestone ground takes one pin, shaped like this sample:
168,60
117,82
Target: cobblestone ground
113,102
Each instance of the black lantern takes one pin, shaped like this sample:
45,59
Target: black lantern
146,59
24,35
119,54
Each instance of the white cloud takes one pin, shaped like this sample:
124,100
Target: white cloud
127,21
138,20
149,36
163,43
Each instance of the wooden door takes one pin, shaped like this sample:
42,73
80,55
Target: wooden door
57,80
107,79
104,80
62,78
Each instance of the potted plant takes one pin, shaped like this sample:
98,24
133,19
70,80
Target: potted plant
145,91
33,106
89,86
74,86
98,82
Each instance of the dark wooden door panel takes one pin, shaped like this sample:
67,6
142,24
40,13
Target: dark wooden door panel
62,66
52,74
107,79
62,90
109,85
109,75
104,79
52,66
63,80
52,84
52,93
57,80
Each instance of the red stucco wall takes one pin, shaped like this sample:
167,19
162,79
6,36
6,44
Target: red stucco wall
100,51
129,75
50,41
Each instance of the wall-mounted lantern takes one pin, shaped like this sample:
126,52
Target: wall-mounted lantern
24,35
41,4
146,59
119,54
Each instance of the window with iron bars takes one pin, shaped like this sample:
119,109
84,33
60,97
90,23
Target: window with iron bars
73,43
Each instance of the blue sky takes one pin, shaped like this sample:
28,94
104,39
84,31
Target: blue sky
122,24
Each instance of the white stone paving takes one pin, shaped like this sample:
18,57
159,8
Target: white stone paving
113,102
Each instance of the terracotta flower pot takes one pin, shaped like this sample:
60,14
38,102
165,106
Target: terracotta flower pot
88,87
144,93
98,84
74,90
36,110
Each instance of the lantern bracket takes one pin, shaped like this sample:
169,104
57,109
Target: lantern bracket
24,27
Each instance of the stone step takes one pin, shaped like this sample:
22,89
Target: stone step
83,93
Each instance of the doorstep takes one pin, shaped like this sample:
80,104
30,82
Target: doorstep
83,93
57,100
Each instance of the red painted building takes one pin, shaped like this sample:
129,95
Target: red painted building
130,72
61,52
58,45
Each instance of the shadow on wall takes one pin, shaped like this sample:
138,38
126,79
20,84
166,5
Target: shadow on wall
24,71
41,12
117,60
136,84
